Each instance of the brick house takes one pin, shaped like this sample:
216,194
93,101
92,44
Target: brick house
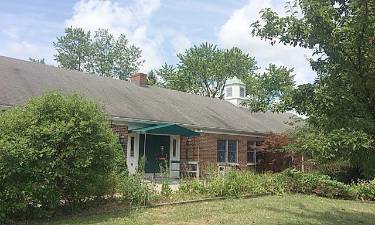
156,126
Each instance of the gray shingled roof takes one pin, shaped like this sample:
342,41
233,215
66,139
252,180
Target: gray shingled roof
20,80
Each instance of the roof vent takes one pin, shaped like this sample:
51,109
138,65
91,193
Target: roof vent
139,79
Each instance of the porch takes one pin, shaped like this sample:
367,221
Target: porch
155,149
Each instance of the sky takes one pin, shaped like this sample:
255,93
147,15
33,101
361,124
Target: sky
161,28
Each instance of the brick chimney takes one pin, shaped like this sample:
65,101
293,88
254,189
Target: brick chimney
139,79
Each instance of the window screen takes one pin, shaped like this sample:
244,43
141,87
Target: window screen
229,92
221,149
132,146
251,152
232,151
242,92
174,150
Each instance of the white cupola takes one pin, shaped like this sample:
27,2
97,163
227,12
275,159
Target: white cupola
234,91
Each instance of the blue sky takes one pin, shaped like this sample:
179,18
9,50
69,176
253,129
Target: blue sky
161,28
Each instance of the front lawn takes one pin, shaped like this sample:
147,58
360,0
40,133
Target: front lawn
287,209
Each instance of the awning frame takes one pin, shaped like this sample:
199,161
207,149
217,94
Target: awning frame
166,129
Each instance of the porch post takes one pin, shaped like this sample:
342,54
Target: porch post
144,146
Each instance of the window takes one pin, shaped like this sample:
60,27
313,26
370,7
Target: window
221,149
174,148
232,151
229,92
251,152
227,151
242,92
122,141
132,146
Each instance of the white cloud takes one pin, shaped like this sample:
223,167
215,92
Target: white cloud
133,20
236,32
180,43
23,50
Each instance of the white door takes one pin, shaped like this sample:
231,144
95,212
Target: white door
174,162
132,153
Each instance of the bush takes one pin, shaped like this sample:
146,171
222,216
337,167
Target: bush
314,183
238,183
56,150
235,184
135,191
364,190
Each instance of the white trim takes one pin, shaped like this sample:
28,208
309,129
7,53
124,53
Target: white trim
227,152
232,134
132,162
174,170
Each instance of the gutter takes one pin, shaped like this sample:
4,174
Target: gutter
5,107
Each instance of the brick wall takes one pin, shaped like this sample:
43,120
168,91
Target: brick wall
204,147
122,132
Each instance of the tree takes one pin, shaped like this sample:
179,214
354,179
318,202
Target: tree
204,69
341,102
74,49
55,150
172,78
100,54
40,61
271,90
152,78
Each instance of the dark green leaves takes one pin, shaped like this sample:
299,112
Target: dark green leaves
101,53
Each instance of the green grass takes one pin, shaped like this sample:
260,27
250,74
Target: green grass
288,209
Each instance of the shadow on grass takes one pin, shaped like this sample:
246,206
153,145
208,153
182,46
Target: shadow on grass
93,215
330,216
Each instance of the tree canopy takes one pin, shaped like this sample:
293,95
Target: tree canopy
204,70
341,101
100,53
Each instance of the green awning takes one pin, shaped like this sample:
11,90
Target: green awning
167,129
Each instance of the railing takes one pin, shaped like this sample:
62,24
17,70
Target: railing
190,169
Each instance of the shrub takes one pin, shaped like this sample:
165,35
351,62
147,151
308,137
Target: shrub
314,183
234,184
55,150
192,187
237,183
135,191
364,190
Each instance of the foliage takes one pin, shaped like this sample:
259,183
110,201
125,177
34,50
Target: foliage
152,78
165,189
56,150
40,61
204,69
314,183
364,190
239,183
339,145
271,90
340,103
135,191
235,184
100,53
277,141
